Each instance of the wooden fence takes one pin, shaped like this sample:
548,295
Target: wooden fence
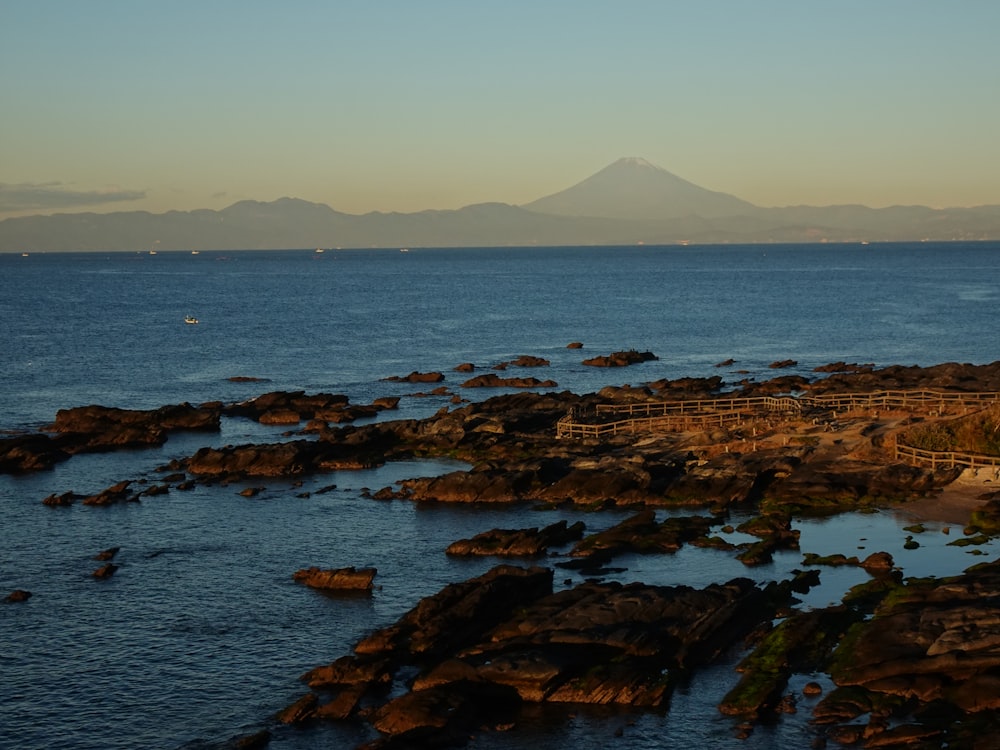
568,427
702,406
944,459
900,400
672,416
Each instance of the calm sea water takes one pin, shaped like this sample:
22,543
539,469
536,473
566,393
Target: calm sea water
202,634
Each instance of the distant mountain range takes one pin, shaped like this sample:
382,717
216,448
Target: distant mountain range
628,202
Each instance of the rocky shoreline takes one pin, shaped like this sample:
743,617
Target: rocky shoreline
915,663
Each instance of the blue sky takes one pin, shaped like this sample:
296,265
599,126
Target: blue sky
408,105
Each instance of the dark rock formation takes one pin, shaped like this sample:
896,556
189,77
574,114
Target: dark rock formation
287,403
24,453
936,639
929,660
844,367
17,595
108,554
57,500
485,646
527,360
800,643
490,380
116,493
517,542
620,359
644,534
105,571
103,428
337,579
417,377
951,376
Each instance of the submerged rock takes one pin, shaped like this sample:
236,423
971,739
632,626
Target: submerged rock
105,571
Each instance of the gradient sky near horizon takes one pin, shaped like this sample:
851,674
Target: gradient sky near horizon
401,105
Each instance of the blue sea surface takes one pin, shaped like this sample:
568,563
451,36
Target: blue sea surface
202,634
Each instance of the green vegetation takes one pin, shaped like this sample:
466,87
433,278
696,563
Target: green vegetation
801,643
976,433
970,540
811,558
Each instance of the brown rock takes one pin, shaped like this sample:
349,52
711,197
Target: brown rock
299,711
491,380
102,428
517,542
338,579
105,571
343,705
878,563
620,359
306,406
643,533
933,640
17,595
417,377
812,689
116,493
25,453
60,501
280,416
526,360
460,612
351,670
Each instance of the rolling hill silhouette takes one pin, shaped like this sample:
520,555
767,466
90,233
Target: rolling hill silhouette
628,202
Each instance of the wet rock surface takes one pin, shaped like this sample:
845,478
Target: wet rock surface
924,669
620,359
484,647
532,542
337,579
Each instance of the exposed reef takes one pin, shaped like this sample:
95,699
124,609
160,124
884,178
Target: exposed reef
915,663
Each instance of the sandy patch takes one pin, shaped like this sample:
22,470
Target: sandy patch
955,501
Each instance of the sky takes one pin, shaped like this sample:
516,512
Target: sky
406,105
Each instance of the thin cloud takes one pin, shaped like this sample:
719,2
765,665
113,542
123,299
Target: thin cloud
41,196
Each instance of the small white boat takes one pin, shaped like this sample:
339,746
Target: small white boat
190,319
196,252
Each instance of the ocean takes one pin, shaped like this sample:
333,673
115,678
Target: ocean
202,634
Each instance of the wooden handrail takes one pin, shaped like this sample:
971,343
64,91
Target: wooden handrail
673,415
935,459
